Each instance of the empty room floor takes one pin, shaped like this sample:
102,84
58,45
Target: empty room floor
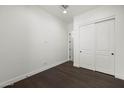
67,76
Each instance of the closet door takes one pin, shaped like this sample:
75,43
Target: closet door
105,46
87,38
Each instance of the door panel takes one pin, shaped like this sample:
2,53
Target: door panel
87,46
102,36
105,46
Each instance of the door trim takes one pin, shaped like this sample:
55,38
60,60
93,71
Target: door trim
97,21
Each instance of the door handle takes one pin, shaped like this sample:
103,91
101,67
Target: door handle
80,51
112,53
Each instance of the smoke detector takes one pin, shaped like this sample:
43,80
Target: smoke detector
64,8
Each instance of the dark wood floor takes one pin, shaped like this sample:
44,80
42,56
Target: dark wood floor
67,76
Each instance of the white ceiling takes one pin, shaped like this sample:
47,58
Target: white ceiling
73,10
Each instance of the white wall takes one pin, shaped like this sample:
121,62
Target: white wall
70,27
100,13
30,39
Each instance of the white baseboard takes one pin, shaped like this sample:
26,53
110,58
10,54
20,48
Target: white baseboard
16,79
119,77
76,65
116,76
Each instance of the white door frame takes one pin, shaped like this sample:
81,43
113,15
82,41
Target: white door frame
96,21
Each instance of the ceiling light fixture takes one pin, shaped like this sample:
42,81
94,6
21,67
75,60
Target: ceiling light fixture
64,8
65,11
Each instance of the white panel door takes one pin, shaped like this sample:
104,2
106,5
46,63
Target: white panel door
87,44
105,46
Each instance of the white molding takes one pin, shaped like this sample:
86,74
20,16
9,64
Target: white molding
119,77
76,65
97,20
21,77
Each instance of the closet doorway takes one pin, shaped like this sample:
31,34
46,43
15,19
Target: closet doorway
97,51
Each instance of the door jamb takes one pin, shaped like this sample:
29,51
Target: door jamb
94,22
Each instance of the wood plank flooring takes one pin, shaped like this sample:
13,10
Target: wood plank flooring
67,76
